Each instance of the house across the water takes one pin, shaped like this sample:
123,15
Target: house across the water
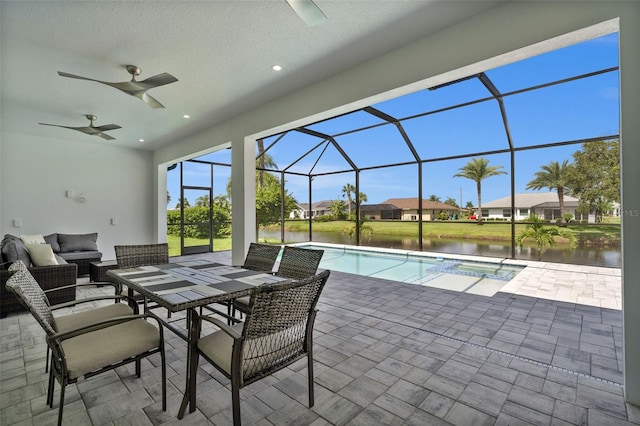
544,205
407,209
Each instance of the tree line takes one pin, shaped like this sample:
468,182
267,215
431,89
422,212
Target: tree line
593,178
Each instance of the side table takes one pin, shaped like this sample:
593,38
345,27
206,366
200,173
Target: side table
98,270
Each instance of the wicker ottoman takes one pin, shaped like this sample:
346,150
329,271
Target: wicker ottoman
98,270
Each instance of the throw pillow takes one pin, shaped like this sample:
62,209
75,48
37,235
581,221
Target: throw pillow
33,239
53,240
41,254
77,242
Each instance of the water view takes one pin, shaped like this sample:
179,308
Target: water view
610,257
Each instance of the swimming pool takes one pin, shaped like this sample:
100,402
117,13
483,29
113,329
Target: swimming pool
484,278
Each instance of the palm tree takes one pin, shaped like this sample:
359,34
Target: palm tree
203,201
183,202
543,236
347,190
555,177
434,198
337,209
263,160
477,170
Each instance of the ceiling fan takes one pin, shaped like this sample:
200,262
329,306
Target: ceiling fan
91,129
308,11
133,87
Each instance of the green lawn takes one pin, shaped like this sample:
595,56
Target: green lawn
444,229
490,230
219,244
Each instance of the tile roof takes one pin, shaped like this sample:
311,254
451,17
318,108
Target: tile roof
412,203
530,200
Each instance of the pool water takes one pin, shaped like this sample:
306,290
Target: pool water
482,278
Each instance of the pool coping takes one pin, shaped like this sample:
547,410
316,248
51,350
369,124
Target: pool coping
584,284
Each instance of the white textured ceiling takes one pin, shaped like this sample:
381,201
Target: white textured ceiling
220,51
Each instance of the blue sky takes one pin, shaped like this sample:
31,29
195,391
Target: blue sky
580,109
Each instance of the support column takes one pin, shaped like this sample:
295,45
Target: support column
243,197
160,200
630,206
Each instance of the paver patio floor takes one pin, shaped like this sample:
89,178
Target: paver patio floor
385,353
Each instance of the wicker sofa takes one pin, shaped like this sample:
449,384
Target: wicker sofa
73,252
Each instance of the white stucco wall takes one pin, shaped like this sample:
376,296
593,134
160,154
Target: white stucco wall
116,182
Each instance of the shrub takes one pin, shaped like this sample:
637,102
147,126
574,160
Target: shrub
324,218
196,222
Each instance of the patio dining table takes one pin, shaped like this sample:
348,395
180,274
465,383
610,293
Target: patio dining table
188,285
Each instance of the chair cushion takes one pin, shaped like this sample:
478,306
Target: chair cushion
77,242
218,347
260,353
101,348
80,255
242,303
71,321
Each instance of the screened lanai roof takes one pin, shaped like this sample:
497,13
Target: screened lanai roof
520,106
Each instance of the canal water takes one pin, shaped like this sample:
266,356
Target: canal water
610,257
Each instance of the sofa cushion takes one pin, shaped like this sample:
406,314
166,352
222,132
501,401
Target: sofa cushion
41,254
13,249
52,240
77,242
81,255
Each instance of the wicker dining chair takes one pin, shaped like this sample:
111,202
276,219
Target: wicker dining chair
92,348
299,262
261,257
68,321
278,331
132,256
296,263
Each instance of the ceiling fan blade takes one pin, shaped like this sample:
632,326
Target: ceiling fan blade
105,136
107,127
158,80
79,77
308,11
57,125
149,100
88,130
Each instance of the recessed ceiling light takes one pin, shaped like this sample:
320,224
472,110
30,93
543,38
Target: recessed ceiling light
140,140
186,116
276,67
